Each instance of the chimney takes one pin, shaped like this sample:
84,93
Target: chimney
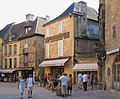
29,17
47,18
82,7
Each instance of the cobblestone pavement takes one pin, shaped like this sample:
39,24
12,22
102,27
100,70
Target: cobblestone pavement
10,91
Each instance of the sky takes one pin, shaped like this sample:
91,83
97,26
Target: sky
16,10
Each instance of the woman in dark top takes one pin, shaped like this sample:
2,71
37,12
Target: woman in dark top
70,85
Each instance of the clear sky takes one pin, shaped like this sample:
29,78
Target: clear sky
16,10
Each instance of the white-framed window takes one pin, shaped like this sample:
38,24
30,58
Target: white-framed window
60,27
60,48
47,32
47,50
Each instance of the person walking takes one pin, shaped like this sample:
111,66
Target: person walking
70,84
30,82
80,81
85,80
64,84
21,86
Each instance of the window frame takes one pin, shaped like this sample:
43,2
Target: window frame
114,31
10,49
15,48
47,50
60,27
60,48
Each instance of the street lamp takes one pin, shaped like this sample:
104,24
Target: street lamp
101,56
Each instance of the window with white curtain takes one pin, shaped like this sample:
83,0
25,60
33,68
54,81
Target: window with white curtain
60,27
47,32
47,50
60,48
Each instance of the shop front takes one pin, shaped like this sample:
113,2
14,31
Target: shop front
90,68
25,71
7,75
116,74
54,67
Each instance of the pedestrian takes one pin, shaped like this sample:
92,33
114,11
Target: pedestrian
55,83
80,81
85,80
64,84
70,84
30,82
21,86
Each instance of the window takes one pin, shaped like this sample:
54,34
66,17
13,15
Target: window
117,72
10,37
60,48
47,50
114,31
60,27
47,32
5,50
10,62
10,49
15,49
5,63
15,62
25,60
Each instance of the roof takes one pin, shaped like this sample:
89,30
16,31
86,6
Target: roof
37,28
6,30
18,31
91,13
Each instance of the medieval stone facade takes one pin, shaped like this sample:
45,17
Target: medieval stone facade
23,47
110,12
70,39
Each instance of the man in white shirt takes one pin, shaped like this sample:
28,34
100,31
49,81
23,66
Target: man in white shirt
64,84
85,80
30,83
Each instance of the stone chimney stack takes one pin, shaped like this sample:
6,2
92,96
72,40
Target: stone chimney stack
47,18
29,17
82,9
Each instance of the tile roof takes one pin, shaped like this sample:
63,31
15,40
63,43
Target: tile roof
91,13
18,30
37,28
6,30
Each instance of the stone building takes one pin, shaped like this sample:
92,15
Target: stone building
112,43
31,50
70,39
0,53
10,50
23,46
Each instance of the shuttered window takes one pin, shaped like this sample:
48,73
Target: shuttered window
47,50
47,32
60,27
60,48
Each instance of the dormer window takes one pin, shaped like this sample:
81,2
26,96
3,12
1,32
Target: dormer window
10,37
29,28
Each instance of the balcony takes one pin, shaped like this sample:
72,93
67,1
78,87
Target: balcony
25,50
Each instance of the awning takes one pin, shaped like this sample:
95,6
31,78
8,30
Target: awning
86,67
7,70
57,62
24,68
